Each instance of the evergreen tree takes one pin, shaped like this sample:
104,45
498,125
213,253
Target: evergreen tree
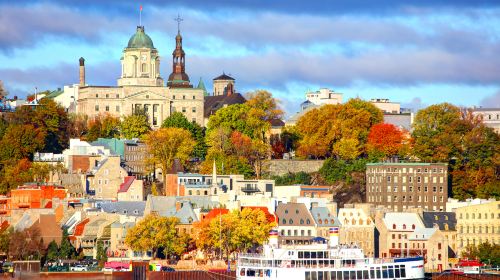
52,251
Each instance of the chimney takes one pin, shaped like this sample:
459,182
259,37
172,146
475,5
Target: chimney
82,71
178,205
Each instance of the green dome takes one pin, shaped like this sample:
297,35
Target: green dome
140,40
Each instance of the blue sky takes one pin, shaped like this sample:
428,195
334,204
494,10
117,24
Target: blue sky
414,52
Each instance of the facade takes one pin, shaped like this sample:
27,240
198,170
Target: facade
105,179
386,106
393,232
295,223
31,196
223,85
324,221
131,190
356,226
446,222
452,204
399,186
324,96
432,245
134,158
490,117
140,86
478,224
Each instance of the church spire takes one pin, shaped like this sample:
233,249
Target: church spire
178,78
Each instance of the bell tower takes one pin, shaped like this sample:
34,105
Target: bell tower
178,78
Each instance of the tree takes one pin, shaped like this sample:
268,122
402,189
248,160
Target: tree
3,91
347,148
21,141
52,251
14,174
385,139
101,256
236,231
154,232
334,171
263,105
103,126
26,243
485,252
178,120
135,125
78,125
66,250
5,237
300,178
167,144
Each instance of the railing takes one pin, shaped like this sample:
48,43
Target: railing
304,263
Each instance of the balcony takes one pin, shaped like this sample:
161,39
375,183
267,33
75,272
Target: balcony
250,190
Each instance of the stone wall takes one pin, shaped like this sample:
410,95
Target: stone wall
283,166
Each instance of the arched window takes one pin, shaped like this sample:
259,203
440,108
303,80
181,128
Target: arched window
320,221
290,221
404,226
301,221
215,190
353,222
308,222
393,226
284,221
360,222
326,221
190,192
412,226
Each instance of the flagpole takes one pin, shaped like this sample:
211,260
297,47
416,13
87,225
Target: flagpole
140,15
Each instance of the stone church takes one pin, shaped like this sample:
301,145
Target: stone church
141,86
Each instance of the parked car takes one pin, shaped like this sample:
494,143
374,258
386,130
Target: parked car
167,269
79,267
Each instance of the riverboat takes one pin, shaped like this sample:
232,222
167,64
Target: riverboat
323,261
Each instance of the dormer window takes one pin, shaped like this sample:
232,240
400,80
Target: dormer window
393,226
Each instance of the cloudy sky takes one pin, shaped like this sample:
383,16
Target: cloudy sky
414,52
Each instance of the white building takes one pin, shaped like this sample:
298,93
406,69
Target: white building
491,117
324,96
386,106
452,204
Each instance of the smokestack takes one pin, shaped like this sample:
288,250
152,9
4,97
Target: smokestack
334,236
82,71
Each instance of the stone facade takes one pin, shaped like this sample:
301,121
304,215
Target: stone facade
399,186
478,224
280,167
106,178
432,245
357,227
140,87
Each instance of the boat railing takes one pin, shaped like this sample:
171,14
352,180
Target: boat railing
301,263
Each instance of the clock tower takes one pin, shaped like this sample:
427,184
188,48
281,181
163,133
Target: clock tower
140,62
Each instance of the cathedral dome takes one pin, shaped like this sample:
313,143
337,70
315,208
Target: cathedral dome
140,40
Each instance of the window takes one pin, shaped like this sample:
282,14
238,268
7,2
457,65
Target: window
96,108
388,179
183,97
193,109
290,221
96,95
117,108
107,108
284,221
194,97
301,221
419,180
308,222
117,96
184,109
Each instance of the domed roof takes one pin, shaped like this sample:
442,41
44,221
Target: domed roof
140,40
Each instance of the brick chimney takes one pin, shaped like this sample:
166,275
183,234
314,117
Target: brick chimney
82,71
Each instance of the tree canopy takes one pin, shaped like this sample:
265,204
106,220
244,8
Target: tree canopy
135,125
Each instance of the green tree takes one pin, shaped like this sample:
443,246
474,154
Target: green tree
21,141
103,126
66,250
300,178
135,125
5,237
167,144
178,120
485,252
155,232
334,171
101,256
52,251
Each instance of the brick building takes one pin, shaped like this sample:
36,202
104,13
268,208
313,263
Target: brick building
399,186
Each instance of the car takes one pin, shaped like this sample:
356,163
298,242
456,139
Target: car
167,269
108,269
79,267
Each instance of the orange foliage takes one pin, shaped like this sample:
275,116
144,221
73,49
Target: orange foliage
385,138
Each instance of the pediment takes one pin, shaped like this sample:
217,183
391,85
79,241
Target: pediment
143,95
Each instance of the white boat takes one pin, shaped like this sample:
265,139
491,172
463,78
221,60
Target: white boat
323,262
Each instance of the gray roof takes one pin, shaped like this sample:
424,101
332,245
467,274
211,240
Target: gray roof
323,217
162,204
402,121
440,219
294,214
129,208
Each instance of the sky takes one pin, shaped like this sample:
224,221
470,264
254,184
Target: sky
417,53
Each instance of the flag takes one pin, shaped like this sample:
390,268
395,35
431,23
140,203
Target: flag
140,8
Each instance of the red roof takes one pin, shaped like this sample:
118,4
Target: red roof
4,226
126,183
80,227
270,217
215,212
48,205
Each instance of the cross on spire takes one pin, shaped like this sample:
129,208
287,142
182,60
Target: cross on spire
178,19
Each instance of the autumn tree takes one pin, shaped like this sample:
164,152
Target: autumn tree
5,237
26,243
385,140
78,125
237,231
167,144
135,125
155,232
103,126
21,141
177,119
485,252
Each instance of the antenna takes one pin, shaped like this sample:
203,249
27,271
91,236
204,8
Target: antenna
140,15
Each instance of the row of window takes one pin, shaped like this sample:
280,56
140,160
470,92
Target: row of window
290,221
183,97
404,198
360,222
184,109
479,216
403,170
479,229
395,179
295,232
106,108
410,188
107,95
385,272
